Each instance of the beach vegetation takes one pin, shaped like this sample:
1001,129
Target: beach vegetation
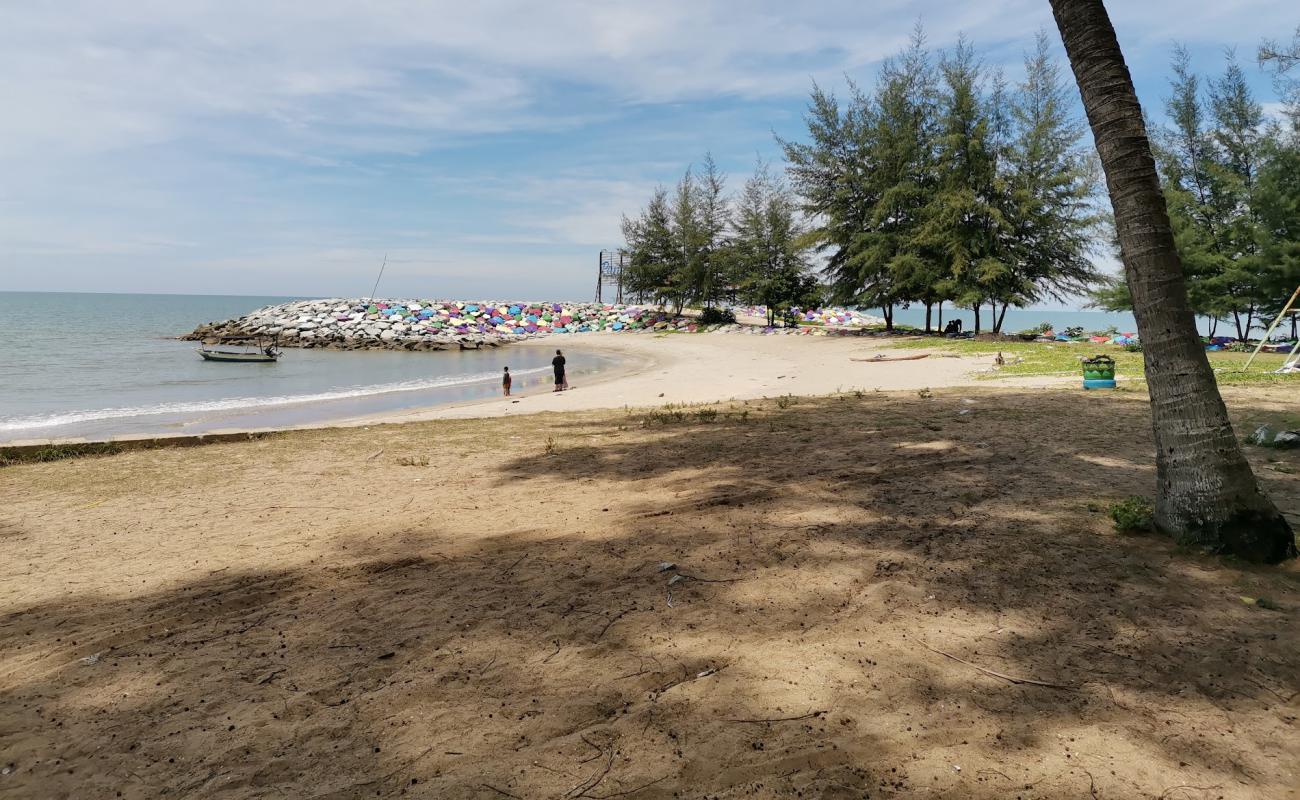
944,184
1231,181
717,316
698,246
1133,514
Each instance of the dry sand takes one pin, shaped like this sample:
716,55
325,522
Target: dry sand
704,368
881,596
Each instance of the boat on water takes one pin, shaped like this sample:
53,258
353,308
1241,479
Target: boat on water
242,349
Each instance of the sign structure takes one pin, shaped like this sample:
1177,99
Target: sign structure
612,264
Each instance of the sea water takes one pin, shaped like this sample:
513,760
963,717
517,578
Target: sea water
103,365
1019,319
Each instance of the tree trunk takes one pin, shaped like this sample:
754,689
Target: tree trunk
888,308
941,318
1236,319
1207,496
1214,326
1250,322
929,307
976,308
997,328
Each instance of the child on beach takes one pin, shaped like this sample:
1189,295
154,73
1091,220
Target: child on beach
505,382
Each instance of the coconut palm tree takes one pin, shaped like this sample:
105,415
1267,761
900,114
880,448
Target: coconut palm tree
1207,496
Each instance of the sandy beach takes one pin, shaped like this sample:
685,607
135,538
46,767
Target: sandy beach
684,369
883,595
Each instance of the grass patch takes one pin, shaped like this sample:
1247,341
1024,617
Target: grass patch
671,415
1063,359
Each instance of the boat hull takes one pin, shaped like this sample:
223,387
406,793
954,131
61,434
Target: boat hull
242,358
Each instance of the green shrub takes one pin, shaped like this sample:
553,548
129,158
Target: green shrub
1133,515
1133,347
717,316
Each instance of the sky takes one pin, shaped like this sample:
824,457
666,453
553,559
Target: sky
488,149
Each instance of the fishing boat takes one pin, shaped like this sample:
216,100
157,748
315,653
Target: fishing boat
248,349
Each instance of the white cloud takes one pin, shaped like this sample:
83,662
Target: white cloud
155,130
365,76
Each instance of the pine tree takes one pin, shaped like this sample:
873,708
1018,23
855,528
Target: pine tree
832,174
767,250
965,225
689,242
903,138
1277,196
1051,182
652,251
708,276
1203,200
1238,138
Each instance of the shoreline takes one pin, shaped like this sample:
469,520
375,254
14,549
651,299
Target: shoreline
655,369
234,432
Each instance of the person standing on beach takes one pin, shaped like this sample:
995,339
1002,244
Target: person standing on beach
561,382
505,382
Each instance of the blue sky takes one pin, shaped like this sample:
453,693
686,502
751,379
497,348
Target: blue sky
489,148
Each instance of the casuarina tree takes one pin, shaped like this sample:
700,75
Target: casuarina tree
1207,496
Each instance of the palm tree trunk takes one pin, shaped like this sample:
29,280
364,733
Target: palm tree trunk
1207,496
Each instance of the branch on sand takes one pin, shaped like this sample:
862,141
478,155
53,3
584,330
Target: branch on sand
1002,675
764,720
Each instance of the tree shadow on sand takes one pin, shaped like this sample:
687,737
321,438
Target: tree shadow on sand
850,597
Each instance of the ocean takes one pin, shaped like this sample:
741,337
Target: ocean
97,366
103,365
1019,319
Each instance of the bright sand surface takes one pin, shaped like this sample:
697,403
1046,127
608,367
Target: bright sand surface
707,368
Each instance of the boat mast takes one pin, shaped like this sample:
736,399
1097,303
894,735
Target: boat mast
375,288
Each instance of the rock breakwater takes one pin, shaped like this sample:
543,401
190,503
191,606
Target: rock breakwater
354,324
433,325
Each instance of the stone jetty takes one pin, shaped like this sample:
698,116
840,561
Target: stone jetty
414,324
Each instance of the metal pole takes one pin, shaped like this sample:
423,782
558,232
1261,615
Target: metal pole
375,288
1291,359
1269,332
